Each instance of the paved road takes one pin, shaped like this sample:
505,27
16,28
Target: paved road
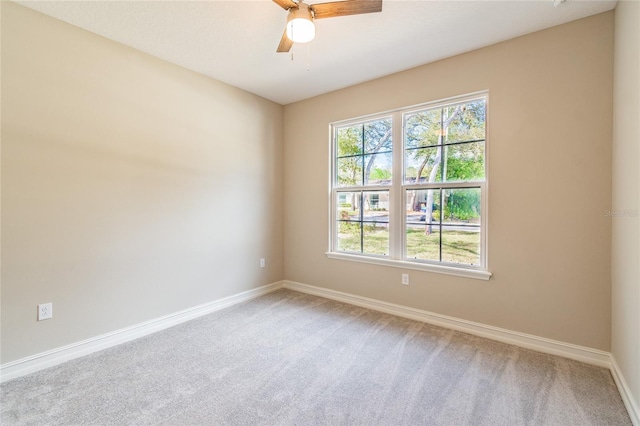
418,220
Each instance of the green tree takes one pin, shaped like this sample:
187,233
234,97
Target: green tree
380,174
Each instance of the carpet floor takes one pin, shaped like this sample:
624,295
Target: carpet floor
288,358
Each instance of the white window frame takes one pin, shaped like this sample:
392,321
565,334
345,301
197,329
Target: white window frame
398,190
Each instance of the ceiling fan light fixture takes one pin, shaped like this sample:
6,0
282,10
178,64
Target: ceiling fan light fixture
300,27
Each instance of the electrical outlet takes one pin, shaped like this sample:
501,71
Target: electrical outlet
405,279
45,311
262,262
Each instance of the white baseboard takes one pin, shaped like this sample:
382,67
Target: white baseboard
540,344
625,392
580,353
56,356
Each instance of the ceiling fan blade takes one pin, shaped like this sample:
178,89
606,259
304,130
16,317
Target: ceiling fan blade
285,4
285,43
343,8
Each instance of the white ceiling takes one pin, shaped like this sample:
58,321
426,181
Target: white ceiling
235,41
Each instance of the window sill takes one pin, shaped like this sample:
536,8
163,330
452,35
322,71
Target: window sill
439,269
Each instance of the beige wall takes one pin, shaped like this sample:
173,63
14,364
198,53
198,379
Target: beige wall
625,250
550,182
131,188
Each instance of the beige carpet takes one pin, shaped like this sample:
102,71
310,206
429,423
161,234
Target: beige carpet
292,359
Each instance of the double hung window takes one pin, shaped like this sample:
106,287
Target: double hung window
408,187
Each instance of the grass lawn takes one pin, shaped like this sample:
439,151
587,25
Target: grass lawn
457,246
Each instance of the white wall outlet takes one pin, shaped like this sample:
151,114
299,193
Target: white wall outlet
45,311
262,262
405,279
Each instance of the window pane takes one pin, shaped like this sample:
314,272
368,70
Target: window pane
469,122
377,136
349,171
376,206
348,206
376,222
422,128
349,140
426,163
348,238
423,224
417,207
462,206
421,244
378,169
461,244
464,162
375,238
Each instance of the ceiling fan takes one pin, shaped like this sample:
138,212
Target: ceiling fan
300,27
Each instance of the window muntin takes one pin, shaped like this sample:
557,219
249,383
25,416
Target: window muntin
445,144
363,222
452,231
431,208
364,153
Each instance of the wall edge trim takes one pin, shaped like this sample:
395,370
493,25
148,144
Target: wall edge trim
40,361
62,354
528,341
625,392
